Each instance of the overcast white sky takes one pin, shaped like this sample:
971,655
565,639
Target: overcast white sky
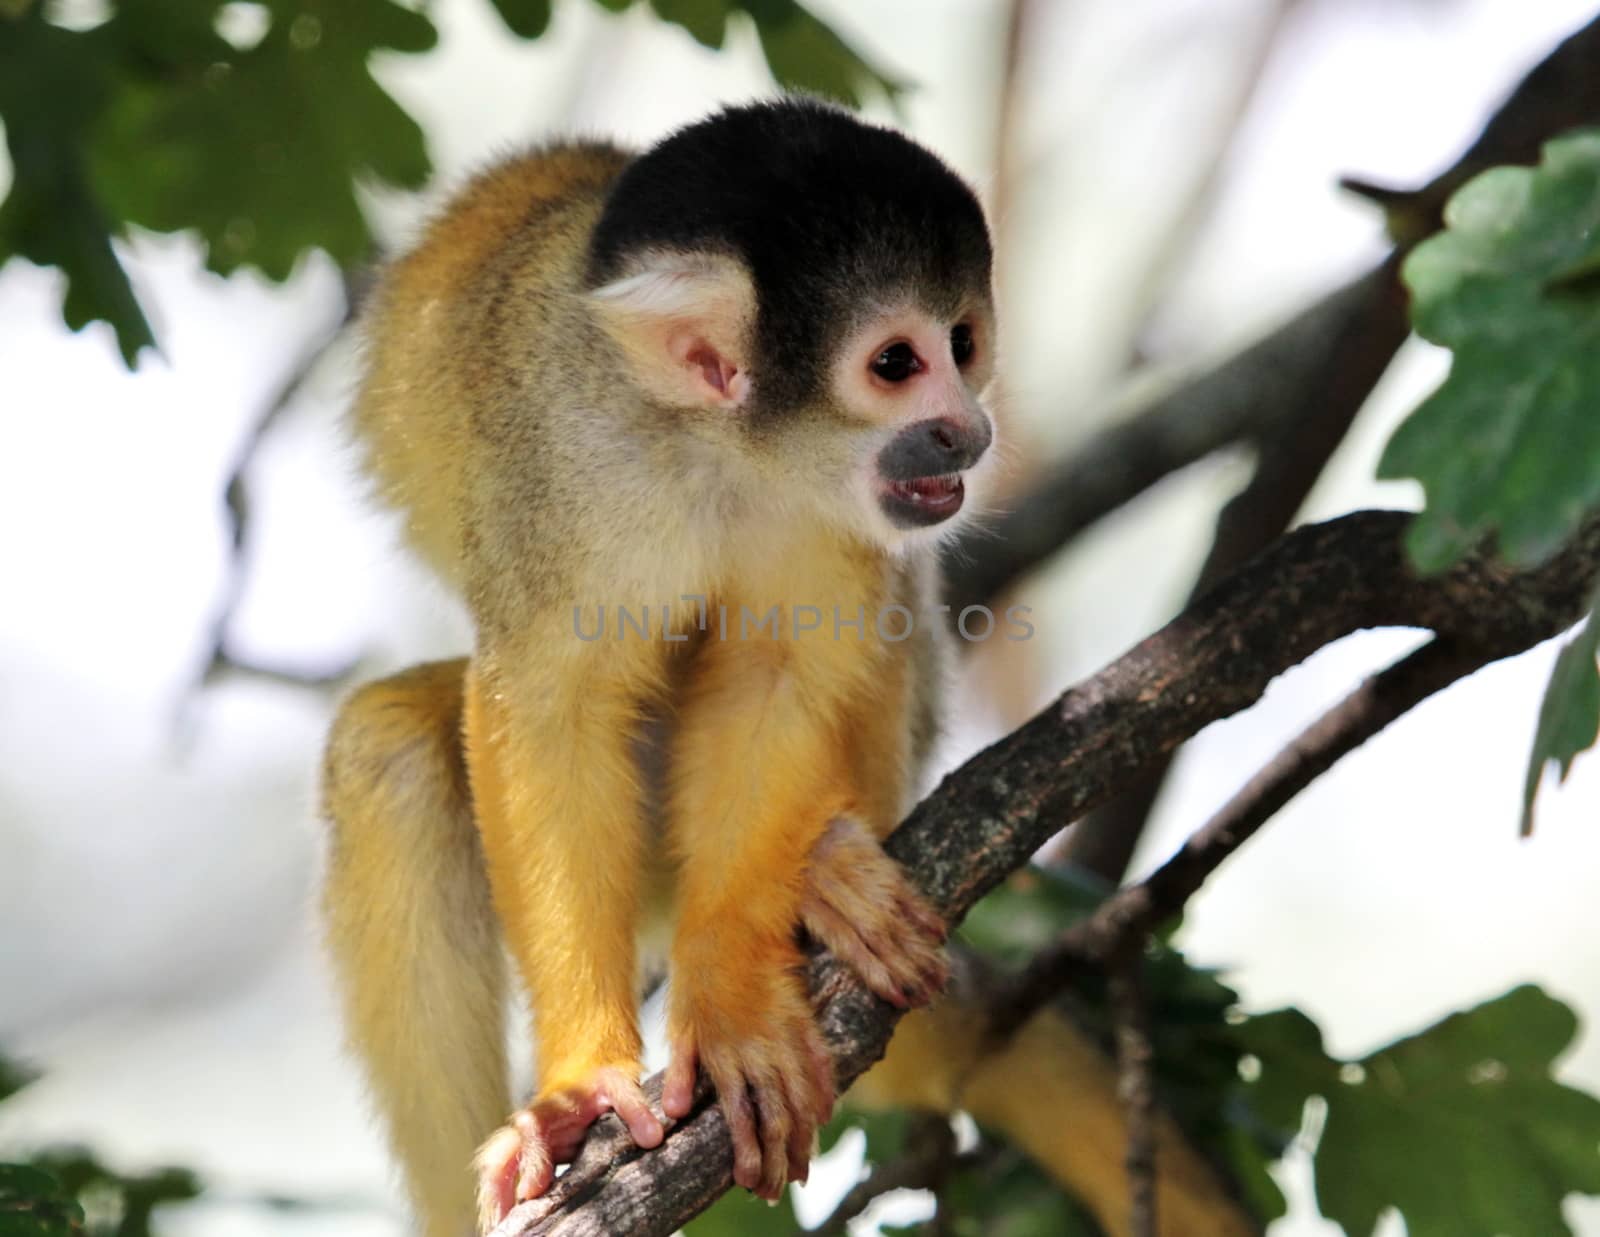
157,953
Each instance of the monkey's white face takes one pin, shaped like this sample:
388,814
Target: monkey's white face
903,433
914,383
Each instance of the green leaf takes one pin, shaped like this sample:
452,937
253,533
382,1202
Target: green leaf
741,1214
1569,717
1027,912
1511,440
34,1204
1461,1127
805,54
525,18
132,1198
705,20
162,38
13,1077
53,83
152,118
261,153
1292,1066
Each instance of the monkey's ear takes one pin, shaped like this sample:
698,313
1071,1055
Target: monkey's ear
682,321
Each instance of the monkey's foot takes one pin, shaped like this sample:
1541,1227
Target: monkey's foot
860,906
775,1085
518,1162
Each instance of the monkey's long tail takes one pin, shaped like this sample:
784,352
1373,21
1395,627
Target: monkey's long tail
415,947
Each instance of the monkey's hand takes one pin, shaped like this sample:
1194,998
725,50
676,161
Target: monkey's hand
860,906
758,1041
519,1160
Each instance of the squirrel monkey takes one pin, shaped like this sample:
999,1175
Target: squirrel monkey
684,427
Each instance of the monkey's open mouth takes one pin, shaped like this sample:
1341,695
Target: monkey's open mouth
923,500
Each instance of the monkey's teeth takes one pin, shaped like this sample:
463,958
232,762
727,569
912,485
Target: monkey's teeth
930,489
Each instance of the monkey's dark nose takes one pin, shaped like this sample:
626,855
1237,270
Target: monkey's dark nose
935,447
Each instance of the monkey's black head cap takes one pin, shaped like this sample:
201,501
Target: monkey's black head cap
828,214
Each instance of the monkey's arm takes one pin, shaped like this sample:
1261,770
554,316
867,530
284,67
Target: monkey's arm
859,903
557,804
758,773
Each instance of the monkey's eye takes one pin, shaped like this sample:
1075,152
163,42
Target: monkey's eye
961,345
896,363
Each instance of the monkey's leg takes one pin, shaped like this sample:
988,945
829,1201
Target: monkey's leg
1052,1092
415,946
757,774
549,746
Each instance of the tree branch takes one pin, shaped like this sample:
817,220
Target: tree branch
984,821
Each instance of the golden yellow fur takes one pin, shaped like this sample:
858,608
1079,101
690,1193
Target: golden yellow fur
415,943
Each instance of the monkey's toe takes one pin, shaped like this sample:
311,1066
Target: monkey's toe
519,1160
775,1089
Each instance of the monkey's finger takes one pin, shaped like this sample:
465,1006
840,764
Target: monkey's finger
740,1114
935,973
677,1087
844,940
919,957
497,1164
626,1099
538,1166
824,1086
870,969
915,909
924,970
776,1118
802,1133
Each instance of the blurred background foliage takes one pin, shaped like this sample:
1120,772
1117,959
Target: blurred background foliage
260,131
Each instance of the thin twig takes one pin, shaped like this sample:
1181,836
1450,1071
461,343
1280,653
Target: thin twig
1136,1086
220,659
